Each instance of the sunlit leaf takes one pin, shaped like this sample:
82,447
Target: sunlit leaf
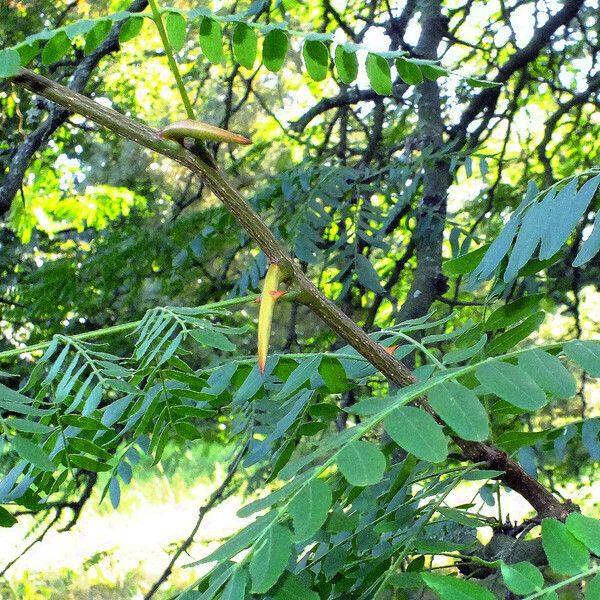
378,72
244,45
211,42
316,59
176,27
346,64
275,47
409,72
56,48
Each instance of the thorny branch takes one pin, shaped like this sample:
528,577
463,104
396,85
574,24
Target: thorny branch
515,477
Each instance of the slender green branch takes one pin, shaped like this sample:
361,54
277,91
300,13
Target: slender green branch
114,329
171,58
422,348
546,591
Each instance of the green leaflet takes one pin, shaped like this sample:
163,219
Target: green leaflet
32,453
513,440
176,27
367,275
6,518
213,338
592,588
522,578
586,354
512,312
566,555
549,373
511,337
417,432
275,47
465,263
568,208
27,426
10,63
240,541
452,588
316,59
211,42
460,408
97,35
512,384
346,65
409,72
270,558
244,45
498,249
590,247
56,48
130,29
236,586
585,529
378,72
361,463
334,375
292,588
90,464
309,509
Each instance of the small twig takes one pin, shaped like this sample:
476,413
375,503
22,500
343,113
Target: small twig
27,548
217,495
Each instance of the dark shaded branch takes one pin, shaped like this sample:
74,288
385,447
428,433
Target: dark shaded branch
486,99
551,123
346,98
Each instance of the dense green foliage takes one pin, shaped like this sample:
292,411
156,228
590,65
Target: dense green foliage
432,167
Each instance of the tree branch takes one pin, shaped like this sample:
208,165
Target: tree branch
396,372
